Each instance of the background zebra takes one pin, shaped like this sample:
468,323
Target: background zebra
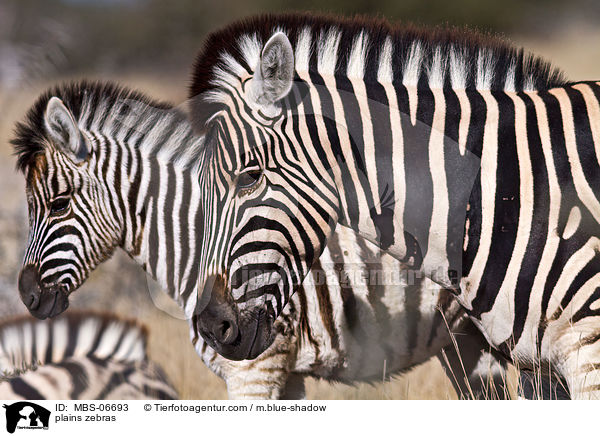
79,356
100,174
458,154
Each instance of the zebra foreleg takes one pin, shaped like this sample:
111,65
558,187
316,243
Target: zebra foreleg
534,386
294,388
257,385
267,377
577,358
475,370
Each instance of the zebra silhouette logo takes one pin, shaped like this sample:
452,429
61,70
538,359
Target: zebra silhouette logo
26,415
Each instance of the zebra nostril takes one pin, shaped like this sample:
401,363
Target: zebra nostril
226,332
225,326
35,301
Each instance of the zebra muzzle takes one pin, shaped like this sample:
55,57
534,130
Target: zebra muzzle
41,301
232,334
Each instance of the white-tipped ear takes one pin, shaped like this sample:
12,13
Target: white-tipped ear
64,131
274,74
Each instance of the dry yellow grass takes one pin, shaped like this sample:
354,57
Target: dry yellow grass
120,286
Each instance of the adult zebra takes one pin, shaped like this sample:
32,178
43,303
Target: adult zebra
100,171
315,122
80,356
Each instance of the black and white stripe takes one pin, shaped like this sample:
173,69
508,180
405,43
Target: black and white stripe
135,190
460,155
80,356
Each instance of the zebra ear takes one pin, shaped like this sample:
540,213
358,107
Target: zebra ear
274,74
63,129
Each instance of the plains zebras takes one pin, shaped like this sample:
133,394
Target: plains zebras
459,155
100,174
80,356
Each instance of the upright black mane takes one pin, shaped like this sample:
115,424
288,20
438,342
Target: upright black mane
530,72
30,135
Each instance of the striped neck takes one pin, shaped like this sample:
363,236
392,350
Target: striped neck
402,168
156,194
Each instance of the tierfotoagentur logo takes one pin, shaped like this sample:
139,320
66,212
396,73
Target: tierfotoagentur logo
26,416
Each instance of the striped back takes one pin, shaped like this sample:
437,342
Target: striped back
78,356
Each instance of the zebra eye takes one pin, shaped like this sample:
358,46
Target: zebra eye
59,205
249,178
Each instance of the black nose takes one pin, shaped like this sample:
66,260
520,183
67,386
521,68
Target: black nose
234,334
29,288
41,301
217,319
220,324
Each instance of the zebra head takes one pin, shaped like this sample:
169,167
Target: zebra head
73,223
267,212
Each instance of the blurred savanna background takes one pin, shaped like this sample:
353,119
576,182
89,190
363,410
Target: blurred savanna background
150,45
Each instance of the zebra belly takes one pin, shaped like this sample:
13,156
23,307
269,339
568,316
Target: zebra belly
377,316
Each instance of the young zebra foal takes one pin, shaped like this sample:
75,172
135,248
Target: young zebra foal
100,174
80,356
